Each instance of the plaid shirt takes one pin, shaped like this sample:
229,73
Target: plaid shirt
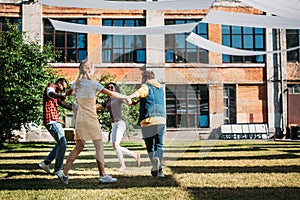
50,107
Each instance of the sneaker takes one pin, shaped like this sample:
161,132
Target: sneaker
155,166
122,168
138,159
107,179
63,178
160,174
44,167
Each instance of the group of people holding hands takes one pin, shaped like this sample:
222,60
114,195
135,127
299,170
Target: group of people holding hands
152,120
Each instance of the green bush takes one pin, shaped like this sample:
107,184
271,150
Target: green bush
23,77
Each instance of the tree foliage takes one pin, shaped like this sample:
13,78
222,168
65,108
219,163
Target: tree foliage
23,77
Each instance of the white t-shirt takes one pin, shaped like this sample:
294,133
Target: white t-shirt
87,88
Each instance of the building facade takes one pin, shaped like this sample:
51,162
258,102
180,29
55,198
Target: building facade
204,89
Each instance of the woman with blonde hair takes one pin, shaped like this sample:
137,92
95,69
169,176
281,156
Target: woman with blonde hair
87,126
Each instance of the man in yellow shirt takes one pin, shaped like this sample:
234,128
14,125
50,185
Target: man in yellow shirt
152,119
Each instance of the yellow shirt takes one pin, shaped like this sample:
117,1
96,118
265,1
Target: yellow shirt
143,92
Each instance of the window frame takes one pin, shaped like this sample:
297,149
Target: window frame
289,38
120,43
184,114
175,54
64,41
230,37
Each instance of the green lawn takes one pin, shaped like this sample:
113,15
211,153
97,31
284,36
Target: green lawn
206,169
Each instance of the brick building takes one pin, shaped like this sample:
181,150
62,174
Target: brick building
204,90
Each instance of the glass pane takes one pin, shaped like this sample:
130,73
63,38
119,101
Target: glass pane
226,40
171,121
107,41
180,91
180,41
248,30
71,40
82,41
48,38
225,58
117,22
237,41
59,40
193,121
129,41
71,55
259,41
260,58
118,41
169,56
82,55
141,56
107,22
248,42
192,56
140,41
180,56
225,29
129,22
170,41
118,55
236,30
106,55
203,56
259,31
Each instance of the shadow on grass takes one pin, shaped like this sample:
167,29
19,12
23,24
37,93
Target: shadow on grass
246,157
87,183
278,193
242,169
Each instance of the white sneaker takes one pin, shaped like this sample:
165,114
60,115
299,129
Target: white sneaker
107,179
160,174
122,168
155,166
44,167
63,178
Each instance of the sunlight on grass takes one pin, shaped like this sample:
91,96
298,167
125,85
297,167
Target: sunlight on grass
245,169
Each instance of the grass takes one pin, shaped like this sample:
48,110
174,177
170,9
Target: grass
207,169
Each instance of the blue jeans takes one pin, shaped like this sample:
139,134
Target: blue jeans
59,150
154,140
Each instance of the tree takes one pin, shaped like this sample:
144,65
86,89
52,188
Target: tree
24,73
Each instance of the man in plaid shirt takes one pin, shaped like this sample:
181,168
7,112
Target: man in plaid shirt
52,97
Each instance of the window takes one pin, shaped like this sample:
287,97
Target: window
3,23
294,88
73,46
187,106
179,51
229,104
293,40
123,48
246,38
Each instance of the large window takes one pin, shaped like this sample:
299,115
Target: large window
3,23
178,50
187,106
246,38
293,40
73,46
229,104
123,48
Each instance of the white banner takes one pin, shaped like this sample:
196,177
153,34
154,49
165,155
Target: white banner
122,5
218,48
288,8
240,19
117,30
